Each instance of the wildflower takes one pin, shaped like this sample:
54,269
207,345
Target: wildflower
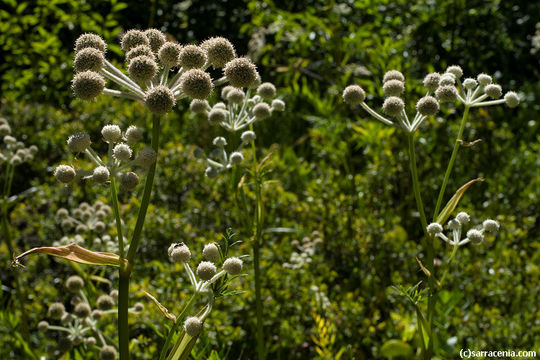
354,95
493,91
193,326
122,152
90,41
210,172
261,111
105,302
248,136
101,174
111,133
240,72
169,54
427,106
393,106
447,79
180,254
99,226
211,252
82,310
266,90
463,218
87,85
455,70
196,84
133,135
138,307
217,115
74,283
511,99
90,341
219,51
141,50
142,68
393,75
156,39
475,236
470,83
490,226
96,314
206,270
236,157
56,311
199,106
192,57
88,59
64,173
393,88
114,294
43,326
431,81
235,96
278,105
62,213
219,141
446,93
107,352
434,229
133,38
484,79
146,157
159,100
233,266
129,181
78,142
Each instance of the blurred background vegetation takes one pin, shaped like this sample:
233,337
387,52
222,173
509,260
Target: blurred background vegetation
337,173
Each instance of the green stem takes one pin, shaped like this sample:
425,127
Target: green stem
451,163
114,198
258,222
416,182
126,268
175,327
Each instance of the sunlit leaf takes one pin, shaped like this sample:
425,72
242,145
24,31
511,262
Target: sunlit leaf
449,208
74,252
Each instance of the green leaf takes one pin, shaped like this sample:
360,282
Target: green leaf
449,208
394,348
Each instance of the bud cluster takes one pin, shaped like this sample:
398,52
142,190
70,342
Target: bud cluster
119,161
80,325
150,58
14,152
238,111
305,251
458,226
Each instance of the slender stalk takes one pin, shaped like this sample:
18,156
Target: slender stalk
176,325
257,237
451,163
114,199
125,270
416,183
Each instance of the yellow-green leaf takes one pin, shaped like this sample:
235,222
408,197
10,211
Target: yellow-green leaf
74,252
161,308
449,208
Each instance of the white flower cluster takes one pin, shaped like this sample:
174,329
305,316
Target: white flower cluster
458,225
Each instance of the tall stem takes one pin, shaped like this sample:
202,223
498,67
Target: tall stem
114,198
451,163
257,236
126,269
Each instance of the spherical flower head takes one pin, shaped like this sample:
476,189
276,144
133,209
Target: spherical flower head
133,135
74,283
393,75
248,136
463,218
5,129
141,50
490,226
431,81
129,181
511,99
90,341
142,68
220,105
90,41
88,59
169,54
447,79
233,266
180,254
111,133
105,302
156,39
219,141
225,91
101,175
56,311
133,38
447,93
146,157
266,90
193,326
236,158
434,229
261,111
159,100
64,173
43,326
493,91
210,172
470,83
87,85
211,252
206,270
427,106
82,310
393,88
138,307
455,70
454,224
199,106
78,142
354,95
235,96
484,79
240,72
219,51
278,105
192,57
196,84
217,115
393,106
107,353
475,236
62,213
99,226
16,160
9,140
